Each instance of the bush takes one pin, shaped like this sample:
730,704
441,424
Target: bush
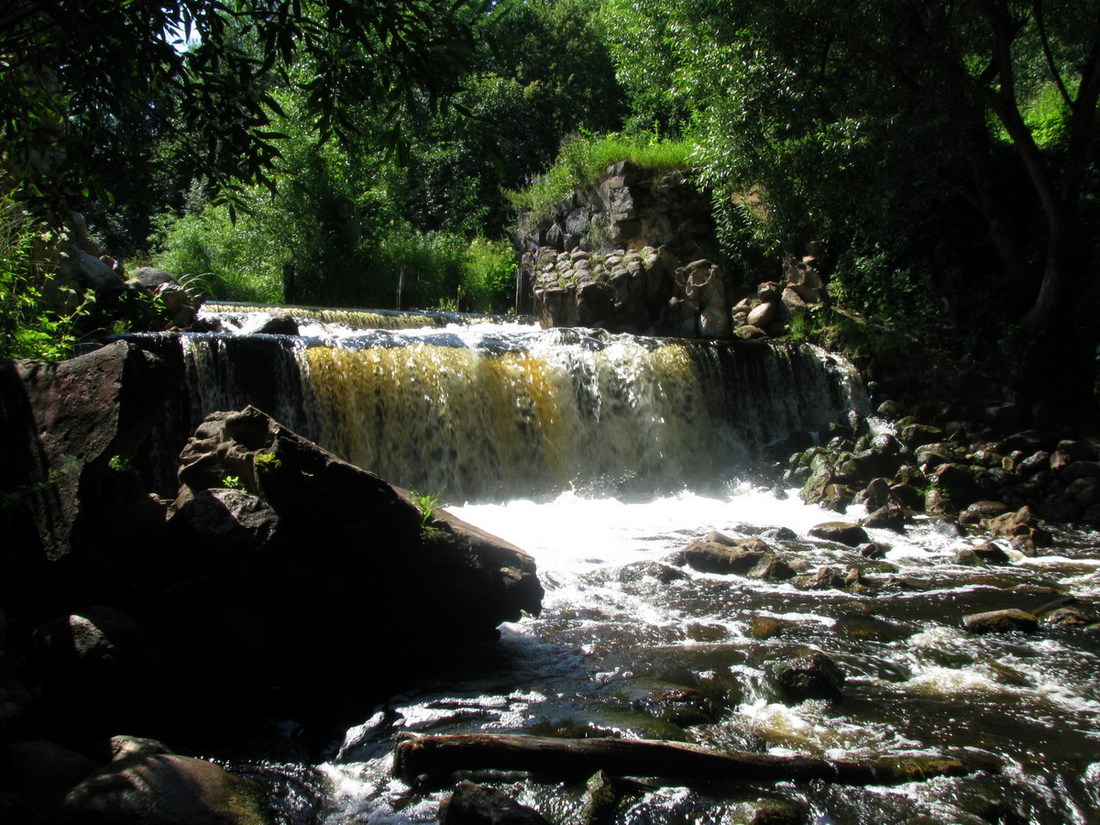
488,276
32,325
234,260
583,159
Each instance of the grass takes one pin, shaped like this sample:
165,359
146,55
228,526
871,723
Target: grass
584,159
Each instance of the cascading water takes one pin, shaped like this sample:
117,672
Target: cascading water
508,410
540,434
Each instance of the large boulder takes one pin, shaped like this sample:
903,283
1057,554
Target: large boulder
323,565
165,789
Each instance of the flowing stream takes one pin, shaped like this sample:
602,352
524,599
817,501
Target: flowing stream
603,456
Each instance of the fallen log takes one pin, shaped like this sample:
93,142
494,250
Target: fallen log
425,760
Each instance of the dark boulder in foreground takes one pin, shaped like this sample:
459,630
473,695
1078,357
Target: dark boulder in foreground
278,582
163,788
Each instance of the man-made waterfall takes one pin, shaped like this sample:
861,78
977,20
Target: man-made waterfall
492,410
541,434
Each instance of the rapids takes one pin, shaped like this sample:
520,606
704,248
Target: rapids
603,456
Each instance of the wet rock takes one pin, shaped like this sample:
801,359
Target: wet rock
826,578
889,517
966,557
663,573
802,678
278,325
937,502
601,799
991,553
1020,523
1001,621
163,788
872,550
981,511
1068,617
915,436
750,557
765,627
472,804
837,497
841,532
780,534
775,812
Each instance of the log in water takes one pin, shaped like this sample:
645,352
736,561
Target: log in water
421,760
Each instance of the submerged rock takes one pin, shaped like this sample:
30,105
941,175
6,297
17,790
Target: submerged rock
813,676
1001,621
472,804
842,532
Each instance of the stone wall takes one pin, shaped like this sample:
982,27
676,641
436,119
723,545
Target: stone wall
631,253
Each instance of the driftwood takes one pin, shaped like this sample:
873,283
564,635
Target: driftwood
422,760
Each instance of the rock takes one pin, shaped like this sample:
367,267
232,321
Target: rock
776,812
1070,616
956,482
278,325
601,800
841,532
97,274
991,553
812,676
1020,523
125,747
749,557
220,520
72,417
981,511
662,573
763,315
1001,621
42,771
826,578
888,517
914,436
150,277
96,660
472,804
165,789
1034,463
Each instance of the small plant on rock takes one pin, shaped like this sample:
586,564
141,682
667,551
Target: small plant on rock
427,503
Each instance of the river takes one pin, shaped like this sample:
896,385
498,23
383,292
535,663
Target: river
603,457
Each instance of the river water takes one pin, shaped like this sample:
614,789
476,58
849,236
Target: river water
603,456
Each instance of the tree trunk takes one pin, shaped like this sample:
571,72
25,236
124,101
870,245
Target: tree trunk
1050,302
425,760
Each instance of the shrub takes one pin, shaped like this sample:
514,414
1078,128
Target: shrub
584,158
33,323
488,275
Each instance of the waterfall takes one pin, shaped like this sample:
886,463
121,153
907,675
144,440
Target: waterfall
489,411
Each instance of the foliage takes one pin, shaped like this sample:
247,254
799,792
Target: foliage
236,260
33,323
202,75
427,503
488,275
583,159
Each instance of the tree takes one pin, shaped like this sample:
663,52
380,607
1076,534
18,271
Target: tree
217,62
829,116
